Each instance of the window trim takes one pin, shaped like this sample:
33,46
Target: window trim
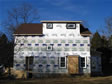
85,62
60,62
70,27
48,27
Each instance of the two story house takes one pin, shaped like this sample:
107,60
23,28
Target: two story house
52,47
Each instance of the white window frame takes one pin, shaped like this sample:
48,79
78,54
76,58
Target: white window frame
48,47
74,26
85,62
60,62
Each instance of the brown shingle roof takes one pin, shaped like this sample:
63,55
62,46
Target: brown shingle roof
37,29
29,29
84,31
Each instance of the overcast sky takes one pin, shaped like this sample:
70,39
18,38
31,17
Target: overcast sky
92,12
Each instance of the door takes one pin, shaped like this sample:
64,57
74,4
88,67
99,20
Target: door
73,65
29,63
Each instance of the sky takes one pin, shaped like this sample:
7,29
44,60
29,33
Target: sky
92,12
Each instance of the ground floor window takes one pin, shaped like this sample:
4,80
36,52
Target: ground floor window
62,62
83,62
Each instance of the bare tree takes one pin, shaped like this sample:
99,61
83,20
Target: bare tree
107,31
25,13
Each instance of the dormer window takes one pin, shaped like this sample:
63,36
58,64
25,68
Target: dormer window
49,25
71,26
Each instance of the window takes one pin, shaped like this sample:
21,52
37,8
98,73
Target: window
62,62
49,26
49,47
71,26
83,62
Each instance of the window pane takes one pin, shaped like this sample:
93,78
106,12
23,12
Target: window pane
62,59
62,64
71,26
49,25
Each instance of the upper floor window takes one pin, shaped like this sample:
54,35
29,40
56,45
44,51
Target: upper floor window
71,26
49,25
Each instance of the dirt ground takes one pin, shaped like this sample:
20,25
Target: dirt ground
62,80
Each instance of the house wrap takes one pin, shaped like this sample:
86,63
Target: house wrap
52,47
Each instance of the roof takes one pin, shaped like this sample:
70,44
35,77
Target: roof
29,29
47,21
84,31
37,29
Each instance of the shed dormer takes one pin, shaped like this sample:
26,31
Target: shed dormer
60,28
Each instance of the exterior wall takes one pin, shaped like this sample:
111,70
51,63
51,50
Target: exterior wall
48,61
60,30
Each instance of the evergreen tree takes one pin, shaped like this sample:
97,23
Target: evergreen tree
96,41
110,42
104,42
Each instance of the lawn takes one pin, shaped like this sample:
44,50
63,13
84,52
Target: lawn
63,80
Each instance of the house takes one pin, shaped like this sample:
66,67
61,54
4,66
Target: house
52,47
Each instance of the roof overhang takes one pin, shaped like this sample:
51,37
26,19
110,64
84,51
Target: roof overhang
47,21
86,34
27,34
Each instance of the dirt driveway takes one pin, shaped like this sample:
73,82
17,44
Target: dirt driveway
63,80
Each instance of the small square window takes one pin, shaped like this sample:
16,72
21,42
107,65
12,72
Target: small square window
71,26
62,62
49,47
49,26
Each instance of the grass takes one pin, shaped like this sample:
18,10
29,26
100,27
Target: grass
63,80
